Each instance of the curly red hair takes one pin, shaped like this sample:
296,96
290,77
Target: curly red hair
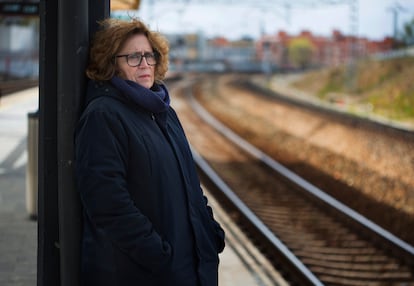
108,41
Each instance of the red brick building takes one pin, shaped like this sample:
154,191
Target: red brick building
335,50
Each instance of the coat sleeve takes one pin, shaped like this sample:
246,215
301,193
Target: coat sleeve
220,234
101,146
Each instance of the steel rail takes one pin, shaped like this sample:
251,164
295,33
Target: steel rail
306,276
403,249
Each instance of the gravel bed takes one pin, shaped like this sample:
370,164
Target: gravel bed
370,172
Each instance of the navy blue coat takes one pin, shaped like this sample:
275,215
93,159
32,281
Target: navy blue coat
146,220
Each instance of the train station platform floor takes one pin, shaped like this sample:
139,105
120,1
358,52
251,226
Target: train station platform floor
240,263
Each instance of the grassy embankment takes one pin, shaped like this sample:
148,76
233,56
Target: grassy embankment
382,88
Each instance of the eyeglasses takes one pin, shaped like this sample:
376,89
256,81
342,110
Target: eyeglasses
135,59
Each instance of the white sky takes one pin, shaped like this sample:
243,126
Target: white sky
232,20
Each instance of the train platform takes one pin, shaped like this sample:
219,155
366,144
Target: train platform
241,263
18,239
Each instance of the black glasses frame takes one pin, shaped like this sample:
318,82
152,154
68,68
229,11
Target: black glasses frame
144,55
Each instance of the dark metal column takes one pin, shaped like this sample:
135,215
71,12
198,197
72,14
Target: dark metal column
98,10
72,56
48,269
66,27
73,44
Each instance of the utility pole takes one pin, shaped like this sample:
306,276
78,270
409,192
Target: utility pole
287,7
353,44
395,10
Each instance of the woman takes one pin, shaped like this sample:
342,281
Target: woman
146,221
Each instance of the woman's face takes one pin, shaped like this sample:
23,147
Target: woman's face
143,74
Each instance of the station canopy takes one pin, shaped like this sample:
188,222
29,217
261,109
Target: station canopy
125,5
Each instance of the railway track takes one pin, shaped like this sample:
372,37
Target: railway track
313,238
302,235
363,165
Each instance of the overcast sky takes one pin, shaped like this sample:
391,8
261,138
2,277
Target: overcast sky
374,18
